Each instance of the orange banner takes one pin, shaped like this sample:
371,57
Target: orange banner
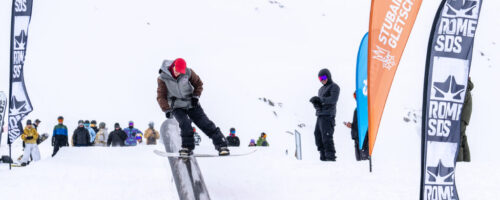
391,22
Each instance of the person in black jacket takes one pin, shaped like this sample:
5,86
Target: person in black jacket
117,137
326,109
81,136
361,154
232,139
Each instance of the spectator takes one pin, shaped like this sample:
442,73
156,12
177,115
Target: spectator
360,154
81,135
29,137
102,135
262,141
232,139
93,125
117,137
91,132
252,143
464,152
131,134
151,134
326,109
59,135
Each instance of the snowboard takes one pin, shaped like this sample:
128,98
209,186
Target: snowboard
176,155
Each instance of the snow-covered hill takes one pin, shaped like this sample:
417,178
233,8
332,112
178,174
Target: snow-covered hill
99,60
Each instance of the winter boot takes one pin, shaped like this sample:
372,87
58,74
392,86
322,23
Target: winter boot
223,151
322,156
185,152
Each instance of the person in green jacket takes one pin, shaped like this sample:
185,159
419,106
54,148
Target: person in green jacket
463,152
262,140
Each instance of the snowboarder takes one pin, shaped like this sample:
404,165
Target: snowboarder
178,93
363,153
101,137
29,136
252,143
131,134
81,136
59,135
464,152
232,139
151,134
326,109
93,125
262,141
117,137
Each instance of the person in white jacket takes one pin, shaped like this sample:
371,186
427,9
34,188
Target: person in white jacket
102,135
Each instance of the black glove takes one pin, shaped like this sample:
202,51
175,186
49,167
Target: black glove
53,140
169,114
315,100
195,101
29,137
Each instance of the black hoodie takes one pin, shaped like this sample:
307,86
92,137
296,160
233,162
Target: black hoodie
329,95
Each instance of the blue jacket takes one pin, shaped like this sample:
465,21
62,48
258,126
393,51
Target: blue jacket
131,133
60,129
91,132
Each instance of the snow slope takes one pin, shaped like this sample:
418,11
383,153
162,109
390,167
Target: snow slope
92,173
99,60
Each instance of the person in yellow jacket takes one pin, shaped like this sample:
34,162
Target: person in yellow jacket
151,134
30,136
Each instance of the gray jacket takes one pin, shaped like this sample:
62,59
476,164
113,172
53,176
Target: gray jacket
182,89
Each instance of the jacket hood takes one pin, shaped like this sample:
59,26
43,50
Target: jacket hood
327,73
164,67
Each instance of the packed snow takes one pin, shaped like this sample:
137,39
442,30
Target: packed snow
99,60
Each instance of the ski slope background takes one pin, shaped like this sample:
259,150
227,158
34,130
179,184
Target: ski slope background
99,60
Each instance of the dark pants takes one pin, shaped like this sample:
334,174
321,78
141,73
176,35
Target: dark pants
198,116
324,136
363,153
59,141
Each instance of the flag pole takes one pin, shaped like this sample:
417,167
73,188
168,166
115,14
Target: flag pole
10,155
370,161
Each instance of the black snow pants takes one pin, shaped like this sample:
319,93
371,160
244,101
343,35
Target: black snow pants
325,126
198,116
59,141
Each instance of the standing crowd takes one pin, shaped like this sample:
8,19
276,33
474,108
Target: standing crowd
86,134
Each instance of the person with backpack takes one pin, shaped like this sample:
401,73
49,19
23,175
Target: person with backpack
101,137
232,139
81,135
178,93
59,135
117,137
151,134
29,136
131,134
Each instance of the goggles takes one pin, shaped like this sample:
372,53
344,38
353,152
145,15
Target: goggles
322,78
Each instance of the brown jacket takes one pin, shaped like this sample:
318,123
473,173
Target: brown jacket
151,136
162,91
